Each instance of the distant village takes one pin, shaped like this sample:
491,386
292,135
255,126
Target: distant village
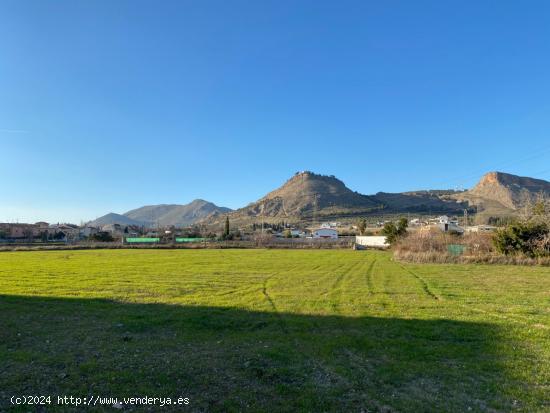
45,233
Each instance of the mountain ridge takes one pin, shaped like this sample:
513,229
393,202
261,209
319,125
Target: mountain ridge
178,215
308,197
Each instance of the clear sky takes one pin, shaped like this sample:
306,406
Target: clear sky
111,105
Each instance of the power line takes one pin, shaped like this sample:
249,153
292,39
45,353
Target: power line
480,172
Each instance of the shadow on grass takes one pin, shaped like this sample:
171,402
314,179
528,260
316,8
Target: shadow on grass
227,359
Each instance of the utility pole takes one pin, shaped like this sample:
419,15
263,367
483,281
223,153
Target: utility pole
315,211
465,217
263,206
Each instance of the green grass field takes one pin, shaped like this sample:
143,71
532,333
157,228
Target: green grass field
274,330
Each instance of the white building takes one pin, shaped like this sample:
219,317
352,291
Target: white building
443,219
88,231
451,227
328,233
372,241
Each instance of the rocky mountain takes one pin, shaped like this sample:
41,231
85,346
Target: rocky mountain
164,215
304,196
308,196
499,193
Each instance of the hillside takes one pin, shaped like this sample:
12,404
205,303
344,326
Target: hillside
422,202
304,196
177,215
511,191
308,196
113,218
164,215
501,194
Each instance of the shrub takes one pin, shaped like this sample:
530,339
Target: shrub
433,246
531,239
102,237
395,232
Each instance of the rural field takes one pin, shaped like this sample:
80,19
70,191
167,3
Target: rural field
274,330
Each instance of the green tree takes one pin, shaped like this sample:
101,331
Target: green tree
226,228
394,232
390,231
402,226
362,226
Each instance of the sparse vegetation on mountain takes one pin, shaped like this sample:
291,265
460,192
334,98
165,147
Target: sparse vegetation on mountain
308,197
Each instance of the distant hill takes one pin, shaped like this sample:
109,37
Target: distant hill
499,193
113,218
177,215
164,215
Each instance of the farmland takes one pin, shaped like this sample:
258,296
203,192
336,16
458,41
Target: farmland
259,330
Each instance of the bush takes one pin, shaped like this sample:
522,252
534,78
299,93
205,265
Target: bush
519,243
433,246
227,237
395,232
102,237
529,238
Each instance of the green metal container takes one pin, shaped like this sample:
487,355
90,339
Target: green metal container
142,240
456,249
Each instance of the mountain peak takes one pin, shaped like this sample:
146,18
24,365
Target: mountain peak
490,178
503,178
304,195
310,184
199,201
506,189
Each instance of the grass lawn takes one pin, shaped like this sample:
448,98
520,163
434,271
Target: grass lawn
273,330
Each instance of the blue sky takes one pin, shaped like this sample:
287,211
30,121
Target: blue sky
107,106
